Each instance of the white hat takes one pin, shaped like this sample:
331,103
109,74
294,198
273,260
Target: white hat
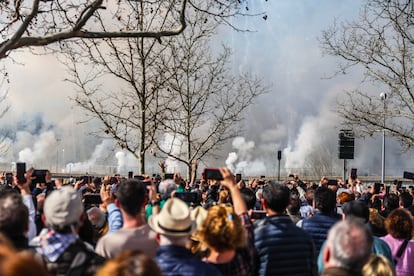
199,214
63,207
173,220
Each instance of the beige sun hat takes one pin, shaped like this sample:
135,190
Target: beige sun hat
199,214
173,220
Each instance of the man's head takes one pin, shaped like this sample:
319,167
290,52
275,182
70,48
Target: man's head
14,216
349,245
249,198
406,200
357,209
325,199
166,187
174,221
131,195
391,202
276,197
333,185
310,195
97,217
294,205
63,208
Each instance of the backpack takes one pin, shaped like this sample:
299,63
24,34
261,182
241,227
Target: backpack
77,259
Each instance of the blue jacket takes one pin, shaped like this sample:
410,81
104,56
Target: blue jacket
178,261
283,248
317,227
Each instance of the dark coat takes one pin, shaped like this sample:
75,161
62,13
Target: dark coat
283,248
317,227
179,261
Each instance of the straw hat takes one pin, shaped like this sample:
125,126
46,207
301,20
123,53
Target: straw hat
173,220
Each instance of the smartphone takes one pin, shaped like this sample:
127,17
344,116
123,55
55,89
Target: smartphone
377,188
353,173
139,177
40,176
387,189
20,171
130,174
238,177
212,173
169,176
9,178
187,196
258,214
92,199
332,182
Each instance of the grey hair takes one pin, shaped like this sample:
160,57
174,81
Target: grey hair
350,242
171,240
166,187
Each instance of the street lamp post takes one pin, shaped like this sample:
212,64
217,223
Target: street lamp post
383,97
57,154
63,160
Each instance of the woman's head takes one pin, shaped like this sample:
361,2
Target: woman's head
378,265
399,224
130,263
15,263
222,229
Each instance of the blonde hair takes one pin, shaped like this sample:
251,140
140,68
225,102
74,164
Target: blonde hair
222,229
128,263
224,196
378,265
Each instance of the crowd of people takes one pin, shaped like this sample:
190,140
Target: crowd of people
166,225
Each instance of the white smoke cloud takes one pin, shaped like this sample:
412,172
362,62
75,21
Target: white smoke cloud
101,150
230,160
122,162
44,144
243,161
173,144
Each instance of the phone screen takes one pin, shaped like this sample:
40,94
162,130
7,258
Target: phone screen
169,176
258,214
20,171
213,174
187,196
353,173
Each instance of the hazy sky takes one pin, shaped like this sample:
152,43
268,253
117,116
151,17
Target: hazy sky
296,116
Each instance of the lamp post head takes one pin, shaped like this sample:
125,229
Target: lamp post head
383,96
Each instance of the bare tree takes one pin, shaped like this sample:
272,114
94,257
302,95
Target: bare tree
381,43
27,23
4,107
126,113
134,113
205,100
